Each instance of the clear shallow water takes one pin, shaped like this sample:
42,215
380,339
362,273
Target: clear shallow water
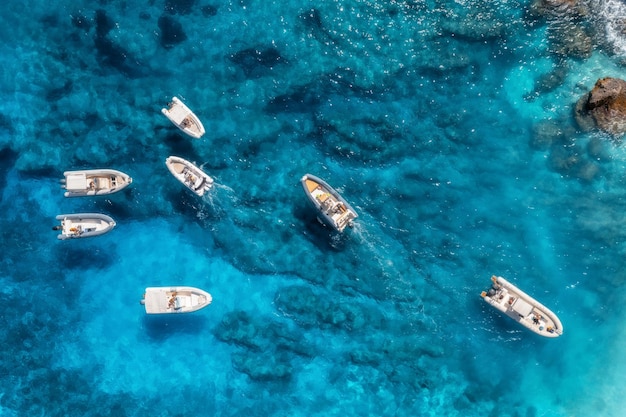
435,120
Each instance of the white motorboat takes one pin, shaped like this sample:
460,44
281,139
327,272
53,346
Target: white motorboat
168,300
183,118
522,308
94,182
334,210
81,225
189,174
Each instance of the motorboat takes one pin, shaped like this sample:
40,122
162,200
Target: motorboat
81,225
522,308
168,300
91,182
332,208
183,118
189,174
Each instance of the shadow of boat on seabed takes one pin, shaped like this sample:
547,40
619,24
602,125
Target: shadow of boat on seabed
162,326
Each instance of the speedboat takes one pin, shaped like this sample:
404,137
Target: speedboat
183,118
189,174
80,225
522,308
168,300
94,182
332,208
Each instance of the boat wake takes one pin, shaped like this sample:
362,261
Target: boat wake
384,251
225,188
401,279
217,202
377,247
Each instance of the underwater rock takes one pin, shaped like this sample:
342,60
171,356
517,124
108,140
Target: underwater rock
263,367
569,31
306,98
6,123
237,327
58,93
208,11
109,52
301,99
257,61
312,19
311,24
309,309
570,162
558,8
348,134
548,133
172,32
242,329
81,21
366,357
477,26
266,347
179,6
604,107
597,149
103,24
564,160
588,171
550,81
571,40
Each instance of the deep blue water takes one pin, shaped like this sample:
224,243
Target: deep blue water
448,125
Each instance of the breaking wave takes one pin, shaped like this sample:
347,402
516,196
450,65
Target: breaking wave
611,15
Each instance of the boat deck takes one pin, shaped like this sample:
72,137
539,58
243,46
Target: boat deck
83,182
178,113
192,176
71,228
522,308
94,182
174,300
76,182
184,118
312,185
334,209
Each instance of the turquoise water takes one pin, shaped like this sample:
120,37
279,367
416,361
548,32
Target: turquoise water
447,125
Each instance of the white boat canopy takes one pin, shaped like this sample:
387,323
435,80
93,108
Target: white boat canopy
76,182
178,114
156,301
522,308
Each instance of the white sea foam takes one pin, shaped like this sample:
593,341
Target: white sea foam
612,15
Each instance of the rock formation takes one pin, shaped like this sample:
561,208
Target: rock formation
604,107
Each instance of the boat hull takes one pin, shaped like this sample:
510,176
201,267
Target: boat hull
83,225
175,300
189,175
332,209
522,308
94,182
183,118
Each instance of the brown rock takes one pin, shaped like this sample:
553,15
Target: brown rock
558,8
568,33
571,40
604,107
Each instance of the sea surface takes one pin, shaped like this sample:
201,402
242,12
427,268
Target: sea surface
448,125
